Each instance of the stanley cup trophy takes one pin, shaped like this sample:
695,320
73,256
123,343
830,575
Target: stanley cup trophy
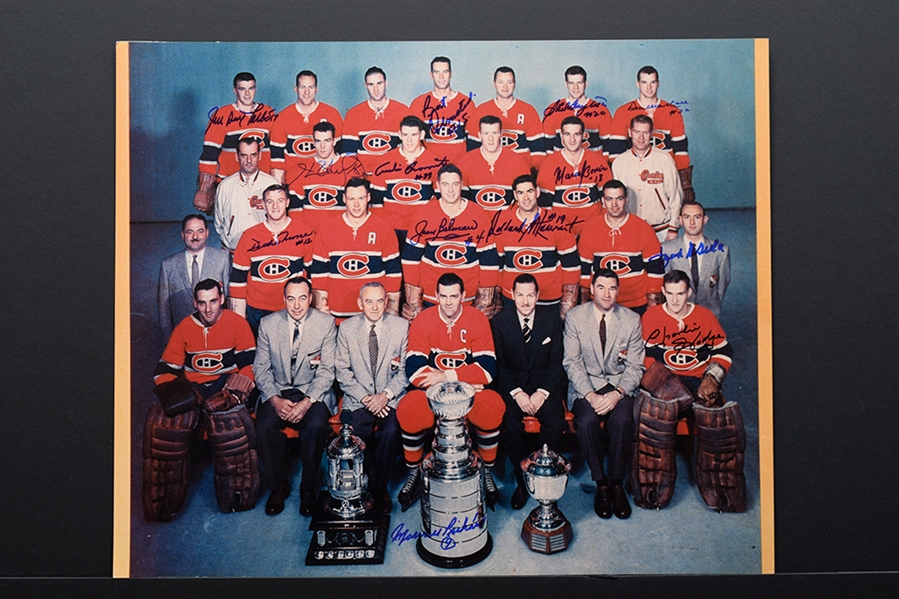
453,522
346,530
546,529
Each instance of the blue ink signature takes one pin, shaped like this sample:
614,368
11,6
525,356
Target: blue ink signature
699,251
401,534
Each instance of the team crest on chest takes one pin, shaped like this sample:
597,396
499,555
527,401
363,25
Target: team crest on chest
207,362
303,147
376,143
274,269
619,263
451,254
353,265
528,260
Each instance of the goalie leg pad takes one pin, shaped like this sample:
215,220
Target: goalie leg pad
664,384
166,453
653,469
721,445
233,438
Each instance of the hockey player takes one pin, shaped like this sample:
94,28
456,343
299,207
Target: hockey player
267,255
370,128
206,364
668,131
625,244
488,172
595,115
449,234
570,179
292,132
352,249
536,241
238,199
244,119
445,111
521,125
653,186
449,342
687,359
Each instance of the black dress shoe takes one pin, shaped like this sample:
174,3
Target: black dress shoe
275,503
602,503
519,497
411,488
620,505
307,502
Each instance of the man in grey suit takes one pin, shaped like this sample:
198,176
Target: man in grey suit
181,271
604,360
294,369
705,260
371,370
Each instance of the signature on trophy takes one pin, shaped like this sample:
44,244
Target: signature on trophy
401,534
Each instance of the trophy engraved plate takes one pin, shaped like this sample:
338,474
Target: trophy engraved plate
348,528
546,529
453,520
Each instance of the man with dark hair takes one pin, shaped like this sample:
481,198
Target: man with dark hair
707,261
238,199
668,131
537,241
405,178
604,361
489,170
687,359
445,111
370,128
449,342
450,234
292,132
244,119
625,244
529,374
570,178
180,272
295,371
317,183
351,249
267,255
594,114
522,129
653,187
207,363
371,370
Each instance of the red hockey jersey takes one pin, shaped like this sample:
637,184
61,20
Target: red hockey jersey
370,133
318,190
597,124
491,186
573,191
400,187
226,127
522,129
685,346
667,131
292,133
446,120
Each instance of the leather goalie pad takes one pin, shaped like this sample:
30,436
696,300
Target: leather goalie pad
166,453
236,463
653,467
721,445
664,384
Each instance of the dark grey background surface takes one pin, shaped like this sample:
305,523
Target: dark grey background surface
834,205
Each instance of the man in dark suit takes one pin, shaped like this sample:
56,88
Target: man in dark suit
529,373
294,369
706,261
604,361
371,392
181,271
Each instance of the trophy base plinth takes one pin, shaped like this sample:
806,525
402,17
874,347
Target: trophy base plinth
336,542
547,541
455,562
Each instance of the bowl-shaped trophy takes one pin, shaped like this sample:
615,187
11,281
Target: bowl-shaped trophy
546,529
453,521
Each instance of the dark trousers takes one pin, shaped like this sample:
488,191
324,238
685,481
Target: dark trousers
552,421
619,428
383,446
254,315
314,431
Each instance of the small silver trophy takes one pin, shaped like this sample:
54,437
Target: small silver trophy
546,529
453,520
347,483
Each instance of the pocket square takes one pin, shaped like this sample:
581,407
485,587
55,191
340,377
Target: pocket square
314,362
547,340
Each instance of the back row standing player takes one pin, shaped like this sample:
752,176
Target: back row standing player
595,115
445,111
243,119
371,128
668,127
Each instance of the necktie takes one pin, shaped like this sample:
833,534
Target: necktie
602,333
373,355
526,331
194,272
694,267
295,346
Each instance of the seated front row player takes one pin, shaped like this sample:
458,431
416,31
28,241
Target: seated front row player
449,342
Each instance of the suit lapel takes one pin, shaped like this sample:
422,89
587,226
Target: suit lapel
184,272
